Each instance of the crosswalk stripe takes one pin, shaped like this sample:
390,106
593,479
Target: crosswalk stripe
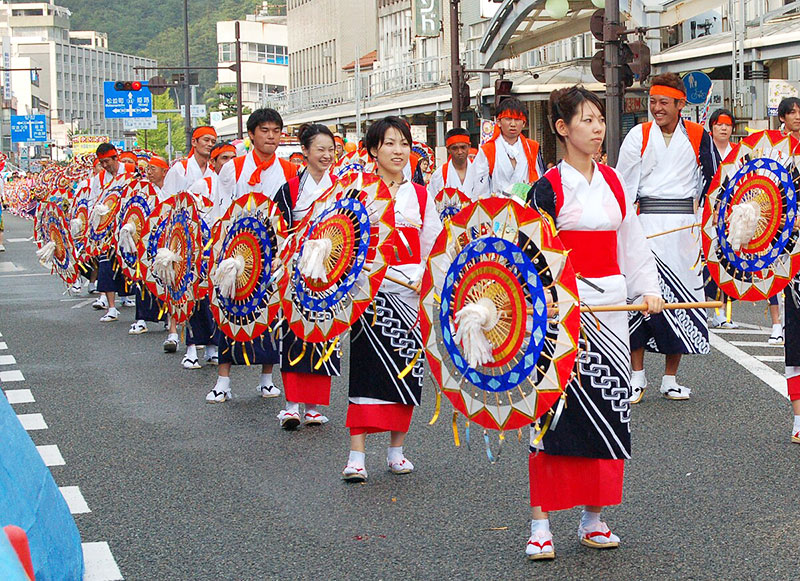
75,501
770,358
741,332
19,396
32,422
13,375
99,563
758,368
755,344
51,455
3,346
7,360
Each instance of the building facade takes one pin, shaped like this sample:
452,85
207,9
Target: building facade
265,57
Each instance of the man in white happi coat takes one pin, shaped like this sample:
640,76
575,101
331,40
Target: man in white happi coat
455,172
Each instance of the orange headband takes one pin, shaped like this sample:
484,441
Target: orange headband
724,120
127,155
158,162
227,148
665,91
456,139
338,140
110,153
508,113
200,131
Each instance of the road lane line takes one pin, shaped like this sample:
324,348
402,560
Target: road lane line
51,455
19,396
7,360
3,346
32,422
741,332
14,375
26,274
75,501
761,370
99,563
755,344
770,358
82,304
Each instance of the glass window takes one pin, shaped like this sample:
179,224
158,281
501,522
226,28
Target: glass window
226,51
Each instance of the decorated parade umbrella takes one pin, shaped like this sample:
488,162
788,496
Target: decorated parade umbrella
102,225
56,249
244,255
749,218
352,162
78,226
172,272
449,202
491,273
137,204
424,150
337,258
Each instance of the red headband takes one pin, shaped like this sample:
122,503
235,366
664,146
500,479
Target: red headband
452,140
200,131
724,120
511,114
227,148
158,162
665,91
110,153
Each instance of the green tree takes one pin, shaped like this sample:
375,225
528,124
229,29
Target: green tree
157,138
222,98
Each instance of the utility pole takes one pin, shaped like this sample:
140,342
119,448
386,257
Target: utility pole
169,139
614,88
187,95
455,64
239,129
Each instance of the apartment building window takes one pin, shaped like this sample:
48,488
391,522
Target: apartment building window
226,51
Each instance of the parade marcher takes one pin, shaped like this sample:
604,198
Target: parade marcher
339,145
262,171
302,383
110,281
201,328
187,171
722,123
668,165
148,307
508,157
455,172
581,462
380,400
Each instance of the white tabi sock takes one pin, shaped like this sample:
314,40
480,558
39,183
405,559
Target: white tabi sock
223,384
777,330
540,525
796,424
211,351
395,454
669,381
266,380
589,518
356,459
638,378
310,409
292,407
191,352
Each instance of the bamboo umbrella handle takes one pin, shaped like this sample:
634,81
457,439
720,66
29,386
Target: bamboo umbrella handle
642,307
657,234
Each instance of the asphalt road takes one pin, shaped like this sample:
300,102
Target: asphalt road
180,489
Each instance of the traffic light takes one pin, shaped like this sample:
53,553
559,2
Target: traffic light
128,86
464,93
502,90
636,56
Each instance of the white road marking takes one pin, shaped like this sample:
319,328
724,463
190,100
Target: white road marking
51,455
761,370
75,501
7,360
770,358
71,299
742,332
8,376
3,345
18,239
9,267
99,563
755,344
32,421
82,304
27,274
19,396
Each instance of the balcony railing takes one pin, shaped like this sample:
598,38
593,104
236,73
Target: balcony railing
382,81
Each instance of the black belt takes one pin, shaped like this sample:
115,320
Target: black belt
662,206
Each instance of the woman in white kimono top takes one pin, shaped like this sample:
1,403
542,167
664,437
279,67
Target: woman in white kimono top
581,461
669,173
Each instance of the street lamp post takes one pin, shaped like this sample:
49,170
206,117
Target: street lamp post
187,94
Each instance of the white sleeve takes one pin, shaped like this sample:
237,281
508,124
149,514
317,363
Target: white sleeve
94,189
173,181
636,261
629,163
481,180
436,184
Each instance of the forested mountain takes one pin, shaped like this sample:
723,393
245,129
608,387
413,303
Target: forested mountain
154,28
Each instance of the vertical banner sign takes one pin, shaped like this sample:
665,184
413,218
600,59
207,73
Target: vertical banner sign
427,17
6,66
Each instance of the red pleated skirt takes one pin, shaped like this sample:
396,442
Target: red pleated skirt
793,386
562,482
372,418
307,388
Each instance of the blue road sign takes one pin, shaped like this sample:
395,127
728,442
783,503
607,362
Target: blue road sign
119,144
28,128
697,85
127,104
